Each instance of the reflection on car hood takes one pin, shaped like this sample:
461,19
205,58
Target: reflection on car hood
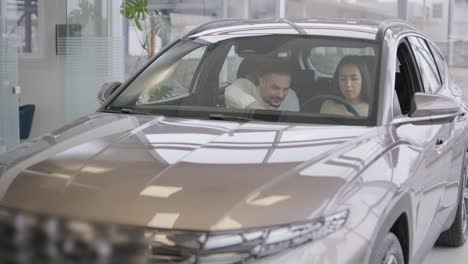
180,173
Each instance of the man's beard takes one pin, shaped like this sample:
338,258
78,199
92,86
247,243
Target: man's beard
277,99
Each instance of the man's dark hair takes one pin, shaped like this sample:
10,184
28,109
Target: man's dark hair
247,66
275,66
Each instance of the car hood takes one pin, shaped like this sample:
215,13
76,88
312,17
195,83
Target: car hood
179,173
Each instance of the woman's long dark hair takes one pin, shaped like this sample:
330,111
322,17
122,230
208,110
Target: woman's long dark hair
361,63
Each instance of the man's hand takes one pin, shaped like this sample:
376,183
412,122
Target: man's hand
255,106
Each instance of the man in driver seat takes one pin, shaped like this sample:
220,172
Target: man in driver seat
271,93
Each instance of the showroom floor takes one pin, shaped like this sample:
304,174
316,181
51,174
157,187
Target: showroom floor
442,255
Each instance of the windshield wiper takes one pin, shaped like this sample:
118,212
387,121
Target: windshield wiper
131,111
228,117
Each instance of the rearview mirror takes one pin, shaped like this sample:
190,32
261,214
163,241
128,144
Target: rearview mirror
107,90
429,108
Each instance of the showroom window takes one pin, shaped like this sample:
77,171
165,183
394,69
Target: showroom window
27,25
437,10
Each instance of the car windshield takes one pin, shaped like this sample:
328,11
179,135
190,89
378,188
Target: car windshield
279,78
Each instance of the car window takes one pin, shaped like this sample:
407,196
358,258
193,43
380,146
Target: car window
230,67
407,79
426,64
173,77
441,65
325,59
258,77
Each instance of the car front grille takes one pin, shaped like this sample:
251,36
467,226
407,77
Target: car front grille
26,239
29,238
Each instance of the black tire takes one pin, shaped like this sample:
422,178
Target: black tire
456,235
388,251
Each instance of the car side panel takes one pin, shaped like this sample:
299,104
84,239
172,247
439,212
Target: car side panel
457,147
426,173
401,205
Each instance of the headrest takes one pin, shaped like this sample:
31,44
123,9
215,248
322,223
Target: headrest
261,65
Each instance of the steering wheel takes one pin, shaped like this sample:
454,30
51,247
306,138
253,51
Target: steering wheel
320,98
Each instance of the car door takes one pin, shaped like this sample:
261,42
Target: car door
430,141
458,137
447,150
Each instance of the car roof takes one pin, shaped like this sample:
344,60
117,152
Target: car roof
352,28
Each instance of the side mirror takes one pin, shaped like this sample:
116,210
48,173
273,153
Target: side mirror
107,90
429,108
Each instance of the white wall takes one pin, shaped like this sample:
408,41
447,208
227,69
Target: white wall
41,79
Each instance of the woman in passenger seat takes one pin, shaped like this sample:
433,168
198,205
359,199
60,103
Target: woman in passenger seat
352,78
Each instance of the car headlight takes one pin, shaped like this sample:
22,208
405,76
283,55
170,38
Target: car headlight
28,238
246,245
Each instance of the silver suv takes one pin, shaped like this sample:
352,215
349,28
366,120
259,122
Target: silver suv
258,141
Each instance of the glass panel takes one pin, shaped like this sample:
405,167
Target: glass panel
325,59
27,25
359,9
262,8
91,51
230,71
89,62
175,80
441,65
162,80
426,64
173,20
272,81
9,123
